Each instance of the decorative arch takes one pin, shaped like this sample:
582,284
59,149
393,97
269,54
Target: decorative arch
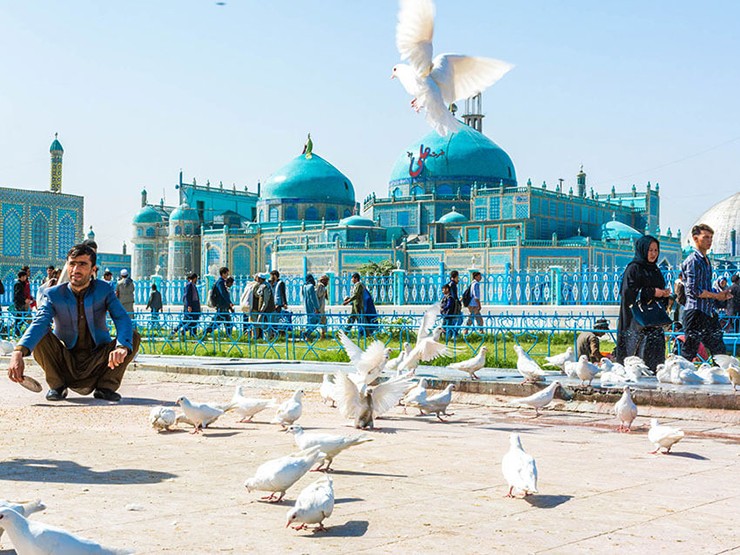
240,261
444,190
347,213
311,213
273,214
178,230
66,236
12,234
261,217
40,236
331,214
465,190
150,232
396,193
291,213
417,190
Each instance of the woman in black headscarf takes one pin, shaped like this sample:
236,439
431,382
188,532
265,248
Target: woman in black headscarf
642,276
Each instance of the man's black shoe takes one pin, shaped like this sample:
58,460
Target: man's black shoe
56,394
106,394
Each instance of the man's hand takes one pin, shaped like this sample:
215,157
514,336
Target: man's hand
190,309
116,356
16,367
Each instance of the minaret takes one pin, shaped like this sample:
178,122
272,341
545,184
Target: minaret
57,152
473,115
581,182
143,198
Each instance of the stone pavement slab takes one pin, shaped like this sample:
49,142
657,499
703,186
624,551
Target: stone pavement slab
421,485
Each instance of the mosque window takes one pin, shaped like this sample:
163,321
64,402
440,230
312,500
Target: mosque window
139,232
396,192
512,232
465,190
480,214
508,168
331,214
178,230
522,211
291,213
273,215
188,230
262,216
561,210
12,234
569,211
495,207
66,236
150,232
347,213
402,218
492,233
240,261
473,234
40,237
553,209
507,209
312,213
417,190
444,190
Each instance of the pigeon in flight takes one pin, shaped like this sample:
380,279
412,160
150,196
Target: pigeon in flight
437,82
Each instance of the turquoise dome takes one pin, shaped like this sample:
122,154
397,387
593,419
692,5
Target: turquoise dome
147,215
466,154
310,179
184,213
56,146
453,217
356,221
615,230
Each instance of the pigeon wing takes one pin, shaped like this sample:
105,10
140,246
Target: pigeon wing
371,359
414,32
348,396
427,322
386,395
353,351
464,76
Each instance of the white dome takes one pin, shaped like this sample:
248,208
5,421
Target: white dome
723,217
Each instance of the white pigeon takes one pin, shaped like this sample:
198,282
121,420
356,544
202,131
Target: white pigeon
733,374
663,373
608,365
289,411
394,362
438,403
609,378
585,370
30,537
559,360
725,361
24,509
368,363
328,390
663,436
314,504
162,418
713,374
6,347
247,407
200,415
472,365
415,396
527,366
427,345
625,410
278,475
635,366
540,399
519,468
363,404
436,83
330,444
570,369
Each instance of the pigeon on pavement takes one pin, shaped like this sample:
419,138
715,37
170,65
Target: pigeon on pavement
363,403
328,390
289,411
200,415
278,475
519,468
330,444
163,418
438,403
314,504
663,436
24,509
540,399
472,365
625,410
527,366
585,370
415,396
559,360
247,407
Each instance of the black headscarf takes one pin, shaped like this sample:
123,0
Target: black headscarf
309,279
642,246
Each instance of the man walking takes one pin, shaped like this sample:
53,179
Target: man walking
21,303
191,305
221,300
475,301
125,291
355,299
78,353
278,291
700,319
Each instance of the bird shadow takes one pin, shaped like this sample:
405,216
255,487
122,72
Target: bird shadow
125,401
687,455
347,500
209,433
351,529
361,473
61,471
547,501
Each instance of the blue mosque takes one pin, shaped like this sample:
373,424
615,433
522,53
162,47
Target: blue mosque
451,203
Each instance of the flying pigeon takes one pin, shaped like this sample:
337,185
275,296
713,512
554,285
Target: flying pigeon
559,360
437,82
472,365
585,370
527,366
200,415
247,407
24,509
519,468
369,363
278,475
540,399
328,390
363,404
438,403
314,504
724,361
427,345
30,537
289,411
663,436
331,445
394,362
625,410
415,396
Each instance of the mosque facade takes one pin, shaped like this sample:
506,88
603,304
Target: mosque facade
452,203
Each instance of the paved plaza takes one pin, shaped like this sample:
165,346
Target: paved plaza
420,486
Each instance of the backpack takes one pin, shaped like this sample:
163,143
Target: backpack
466,296
213,297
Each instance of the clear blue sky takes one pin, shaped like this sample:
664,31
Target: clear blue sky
636,91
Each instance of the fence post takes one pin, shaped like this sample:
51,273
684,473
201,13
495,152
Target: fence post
556,285
442,279
330,297
399,283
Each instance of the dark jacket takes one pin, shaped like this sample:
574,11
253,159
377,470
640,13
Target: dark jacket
447,305
733,304
222,296
155,301
456,305
281,299
19,296
190,298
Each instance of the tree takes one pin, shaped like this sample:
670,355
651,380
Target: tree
382,268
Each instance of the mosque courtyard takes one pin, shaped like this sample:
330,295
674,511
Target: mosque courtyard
421,485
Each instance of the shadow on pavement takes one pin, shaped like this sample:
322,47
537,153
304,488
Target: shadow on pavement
351,529
686,455
547,501
347,500
48,470
90,400
360,473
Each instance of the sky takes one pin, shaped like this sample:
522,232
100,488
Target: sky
635,91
